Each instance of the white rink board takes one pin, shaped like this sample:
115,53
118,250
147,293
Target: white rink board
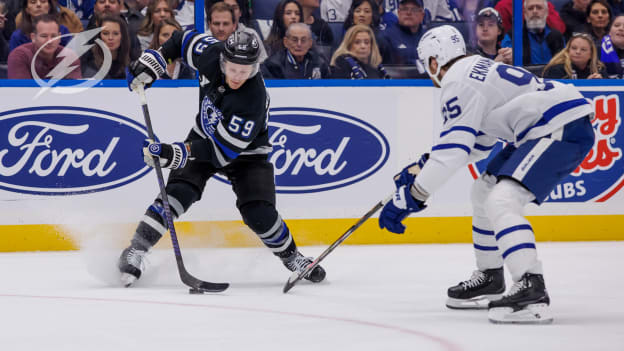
403,115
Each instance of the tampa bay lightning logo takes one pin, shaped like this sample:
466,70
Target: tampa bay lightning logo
62,150
210,116
601,174
155,149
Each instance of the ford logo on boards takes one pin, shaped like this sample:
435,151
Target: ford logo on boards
316,150
60,150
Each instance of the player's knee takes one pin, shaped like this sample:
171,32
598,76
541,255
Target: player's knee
260,216
508,196
181,196
481,188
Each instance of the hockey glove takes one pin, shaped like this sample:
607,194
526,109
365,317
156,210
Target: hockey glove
146,70
395,211
172,156
409,173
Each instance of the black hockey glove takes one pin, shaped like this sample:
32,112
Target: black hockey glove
409,173
172,156
146,70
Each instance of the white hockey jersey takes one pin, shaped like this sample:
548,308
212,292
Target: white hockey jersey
483,101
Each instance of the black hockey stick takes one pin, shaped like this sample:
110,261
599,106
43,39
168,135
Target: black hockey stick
197,286
296,276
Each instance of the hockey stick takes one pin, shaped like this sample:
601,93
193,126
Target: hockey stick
295,277
197,286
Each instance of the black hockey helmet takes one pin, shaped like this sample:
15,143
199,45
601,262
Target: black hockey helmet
242,48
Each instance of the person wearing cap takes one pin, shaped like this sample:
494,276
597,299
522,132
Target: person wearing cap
403,37
230,136
488,34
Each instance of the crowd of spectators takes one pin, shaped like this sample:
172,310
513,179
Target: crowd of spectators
314,39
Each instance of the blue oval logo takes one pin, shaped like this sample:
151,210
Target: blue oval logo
60,150
317,150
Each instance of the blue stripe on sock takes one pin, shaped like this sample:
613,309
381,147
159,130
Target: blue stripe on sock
518,247
485,248
513,229
284,234
482,231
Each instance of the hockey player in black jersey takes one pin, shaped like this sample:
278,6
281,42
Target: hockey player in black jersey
230,137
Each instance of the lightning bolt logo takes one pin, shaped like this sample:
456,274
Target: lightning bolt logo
80,44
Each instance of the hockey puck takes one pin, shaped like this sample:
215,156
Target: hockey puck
194,291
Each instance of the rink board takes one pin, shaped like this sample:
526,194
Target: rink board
71,169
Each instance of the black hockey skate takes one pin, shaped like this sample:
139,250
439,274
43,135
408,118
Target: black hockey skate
527,302
131,264
298,263
476,292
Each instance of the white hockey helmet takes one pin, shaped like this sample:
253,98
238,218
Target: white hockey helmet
443,43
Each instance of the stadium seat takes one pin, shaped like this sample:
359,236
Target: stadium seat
4,71
264,9
535,69
405,72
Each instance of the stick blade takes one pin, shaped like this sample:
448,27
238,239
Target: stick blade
292,280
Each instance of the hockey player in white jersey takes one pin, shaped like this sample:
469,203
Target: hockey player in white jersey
547,127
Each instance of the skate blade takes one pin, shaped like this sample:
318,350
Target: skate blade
532,314
476,303
127,279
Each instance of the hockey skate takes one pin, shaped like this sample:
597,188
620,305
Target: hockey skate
132,263
527,303
476,292
297,263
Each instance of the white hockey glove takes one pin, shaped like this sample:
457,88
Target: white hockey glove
146,70
172,156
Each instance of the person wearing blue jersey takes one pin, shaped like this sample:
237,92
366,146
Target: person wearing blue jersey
230,136
548,131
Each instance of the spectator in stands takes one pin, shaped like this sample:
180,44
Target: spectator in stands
366,12
358,56
131,11
286,13
24,21
184,14
65,16
617,6
468,9
598,19
578,60
387,16
335,10
157,10
241,27
553,20
297,60
320,29
82,8
105,8
442,11
488,34
115,35
539,42
4,44
45,28
403,37
612,49
574,14
222,21
176,69
244,8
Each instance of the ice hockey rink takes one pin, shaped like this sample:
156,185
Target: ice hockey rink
375,298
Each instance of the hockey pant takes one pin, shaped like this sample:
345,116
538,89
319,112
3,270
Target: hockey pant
252,181
515,177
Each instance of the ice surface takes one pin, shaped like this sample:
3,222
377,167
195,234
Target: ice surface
375,298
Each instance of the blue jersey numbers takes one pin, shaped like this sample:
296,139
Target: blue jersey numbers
451,109
520,76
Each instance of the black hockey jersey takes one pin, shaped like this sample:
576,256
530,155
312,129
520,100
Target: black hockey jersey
231,122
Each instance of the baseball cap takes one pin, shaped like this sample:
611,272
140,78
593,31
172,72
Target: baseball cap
415,2
489,13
